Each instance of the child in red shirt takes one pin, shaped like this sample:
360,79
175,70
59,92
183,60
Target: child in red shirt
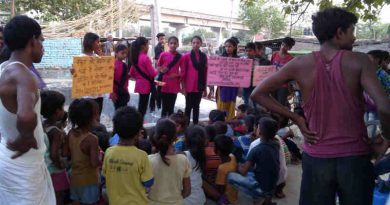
279,59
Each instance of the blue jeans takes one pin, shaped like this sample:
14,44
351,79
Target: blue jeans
247,184
350,178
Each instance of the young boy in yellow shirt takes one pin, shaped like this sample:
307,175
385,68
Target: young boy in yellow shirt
126,168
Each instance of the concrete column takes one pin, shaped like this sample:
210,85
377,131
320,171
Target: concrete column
179,31
157,17
219,34
153,26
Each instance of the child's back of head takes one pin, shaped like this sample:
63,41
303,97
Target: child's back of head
242,110
223,145
164,136
288,41
195,142
52,102
221,128
249,121
216,115
181,121
211,132
127,122
377,56
81,113
268,128
145,145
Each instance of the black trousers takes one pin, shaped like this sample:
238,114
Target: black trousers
168,101
119,104
155,100
350,178
192,104
143,103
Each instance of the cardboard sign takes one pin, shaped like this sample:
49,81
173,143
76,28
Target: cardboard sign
229,72
93,76
262,72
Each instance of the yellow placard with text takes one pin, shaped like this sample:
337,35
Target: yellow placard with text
92,76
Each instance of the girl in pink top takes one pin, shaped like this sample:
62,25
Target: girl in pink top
194,78
142,71
120,95
169,63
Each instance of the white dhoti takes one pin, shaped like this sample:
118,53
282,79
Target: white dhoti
24,183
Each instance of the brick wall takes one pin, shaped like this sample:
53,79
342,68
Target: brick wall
59,52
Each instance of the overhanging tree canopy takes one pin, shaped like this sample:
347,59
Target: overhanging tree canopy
55,10
365,9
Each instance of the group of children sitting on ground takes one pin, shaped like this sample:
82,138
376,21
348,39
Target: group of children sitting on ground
172,164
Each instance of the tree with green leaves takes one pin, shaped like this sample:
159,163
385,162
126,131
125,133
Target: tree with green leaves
365,9
199,32
258,16
372,30
243,36
54,10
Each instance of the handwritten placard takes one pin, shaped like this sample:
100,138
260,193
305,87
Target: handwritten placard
92,76
229,72
262,72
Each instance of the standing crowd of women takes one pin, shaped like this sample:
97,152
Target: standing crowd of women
173,73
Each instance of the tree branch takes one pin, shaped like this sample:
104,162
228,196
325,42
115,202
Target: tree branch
301,14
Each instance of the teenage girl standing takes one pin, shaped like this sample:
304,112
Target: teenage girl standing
120,95
168,64
142,71
194,78
226,96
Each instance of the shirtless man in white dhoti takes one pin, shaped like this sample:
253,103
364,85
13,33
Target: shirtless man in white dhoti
24,178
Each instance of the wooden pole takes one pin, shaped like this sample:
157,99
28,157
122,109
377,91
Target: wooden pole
111,17
12,8
120,19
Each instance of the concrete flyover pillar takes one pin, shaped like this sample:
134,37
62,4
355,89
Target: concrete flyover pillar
179,30
219,31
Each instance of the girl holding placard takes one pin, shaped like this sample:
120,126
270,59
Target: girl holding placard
168,65
91,47
194,78
226,96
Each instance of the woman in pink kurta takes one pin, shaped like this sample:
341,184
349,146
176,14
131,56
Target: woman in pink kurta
194,78
169,63
142,71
